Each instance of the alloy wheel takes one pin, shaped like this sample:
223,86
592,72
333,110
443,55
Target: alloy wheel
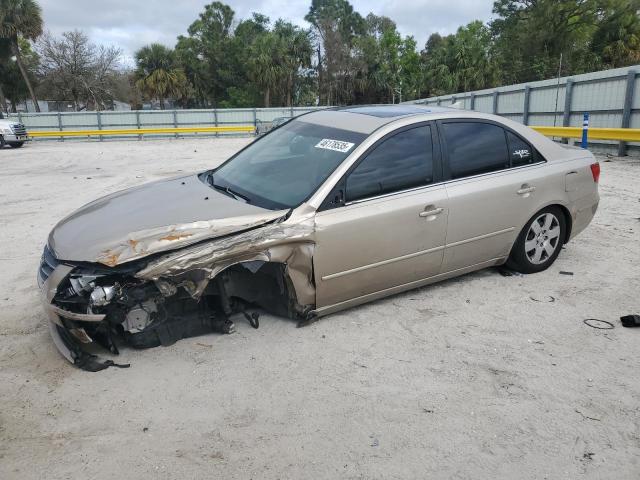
543,238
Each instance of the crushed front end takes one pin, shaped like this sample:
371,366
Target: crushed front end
94,304
165,297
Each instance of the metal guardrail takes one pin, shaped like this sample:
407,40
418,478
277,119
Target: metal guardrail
612,98
140,131
618,134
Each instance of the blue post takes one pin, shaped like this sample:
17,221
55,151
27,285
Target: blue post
585,130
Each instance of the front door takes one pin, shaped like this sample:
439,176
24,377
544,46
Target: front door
391,228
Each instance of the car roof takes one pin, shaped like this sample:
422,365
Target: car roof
392,111
367,118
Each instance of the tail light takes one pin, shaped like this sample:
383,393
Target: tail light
595,171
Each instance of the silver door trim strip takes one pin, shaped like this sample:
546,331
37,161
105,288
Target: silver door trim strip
383,262
480,237
412,255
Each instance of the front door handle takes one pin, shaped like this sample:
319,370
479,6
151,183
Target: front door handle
431,212
526,189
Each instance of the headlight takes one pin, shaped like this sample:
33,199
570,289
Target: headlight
7,131
100,296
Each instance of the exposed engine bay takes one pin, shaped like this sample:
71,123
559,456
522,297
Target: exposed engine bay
191,291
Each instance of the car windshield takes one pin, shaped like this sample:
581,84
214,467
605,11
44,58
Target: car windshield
283,168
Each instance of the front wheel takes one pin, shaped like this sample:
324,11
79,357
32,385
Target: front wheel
1,141
16,144
539,242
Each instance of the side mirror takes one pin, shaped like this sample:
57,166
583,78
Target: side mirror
335,199
338,198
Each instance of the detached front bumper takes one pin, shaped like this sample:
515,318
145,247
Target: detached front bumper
65,327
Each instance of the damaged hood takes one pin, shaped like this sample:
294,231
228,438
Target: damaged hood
155,217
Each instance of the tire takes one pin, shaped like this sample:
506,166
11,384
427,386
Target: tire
16,144
539,242
1,141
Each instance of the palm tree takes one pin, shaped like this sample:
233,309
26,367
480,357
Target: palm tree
21,18
264,68
295,52
157,75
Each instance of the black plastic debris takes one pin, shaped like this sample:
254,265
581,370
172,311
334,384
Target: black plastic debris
91,363
598,324
566,273
545,299
253,318
630,321
84,360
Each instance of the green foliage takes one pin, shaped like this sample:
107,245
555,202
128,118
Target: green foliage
460,62
157,75
21,19
616,40
344,58
13,86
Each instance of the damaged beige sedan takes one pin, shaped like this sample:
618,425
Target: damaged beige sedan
330,210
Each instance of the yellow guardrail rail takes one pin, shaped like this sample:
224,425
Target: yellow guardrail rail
141,131
619,134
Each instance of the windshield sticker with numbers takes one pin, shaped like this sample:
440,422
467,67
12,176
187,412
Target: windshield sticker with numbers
337,145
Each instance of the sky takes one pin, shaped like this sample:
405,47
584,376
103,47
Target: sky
130,24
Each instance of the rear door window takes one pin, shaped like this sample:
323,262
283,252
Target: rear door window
475,148
400,162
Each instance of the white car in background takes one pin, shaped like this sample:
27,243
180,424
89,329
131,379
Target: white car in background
12,133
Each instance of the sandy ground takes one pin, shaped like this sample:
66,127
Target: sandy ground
466,379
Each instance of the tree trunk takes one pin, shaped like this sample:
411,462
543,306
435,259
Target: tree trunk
14,107
3,101
16,51
289,89
320,77
267,97
161,102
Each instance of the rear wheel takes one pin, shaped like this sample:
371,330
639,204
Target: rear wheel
16,144
539,242
1,141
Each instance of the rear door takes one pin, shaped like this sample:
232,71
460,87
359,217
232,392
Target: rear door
384,224
491,184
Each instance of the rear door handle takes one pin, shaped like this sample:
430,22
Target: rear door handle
525,189
430,213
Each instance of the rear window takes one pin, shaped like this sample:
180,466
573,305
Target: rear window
475,148
520,151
